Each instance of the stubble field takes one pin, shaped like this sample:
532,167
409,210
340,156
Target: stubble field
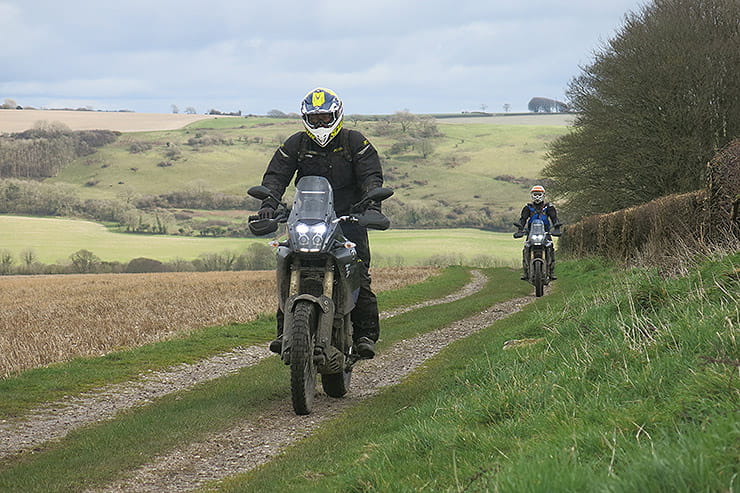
47,319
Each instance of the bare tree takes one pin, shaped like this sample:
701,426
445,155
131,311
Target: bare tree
175,109
6,262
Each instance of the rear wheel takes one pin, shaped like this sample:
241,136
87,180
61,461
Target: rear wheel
302,368
538,278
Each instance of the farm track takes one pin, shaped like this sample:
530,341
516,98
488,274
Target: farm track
55,420
256,441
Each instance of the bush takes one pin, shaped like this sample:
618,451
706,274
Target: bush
143,264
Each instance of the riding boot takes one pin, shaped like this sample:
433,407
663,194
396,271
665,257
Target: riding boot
551,266
276,346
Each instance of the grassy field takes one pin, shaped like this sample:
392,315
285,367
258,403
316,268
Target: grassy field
54,240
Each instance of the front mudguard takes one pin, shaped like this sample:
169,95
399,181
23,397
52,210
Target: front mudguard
326,311
541,257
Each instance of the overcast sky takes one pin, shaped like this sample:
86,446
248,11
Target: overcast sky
380,56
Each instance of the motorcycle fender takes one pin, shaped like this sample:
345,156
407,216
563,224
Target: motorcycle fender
326,318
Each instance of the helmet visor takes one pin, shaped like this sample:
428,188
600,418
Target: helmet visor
318,120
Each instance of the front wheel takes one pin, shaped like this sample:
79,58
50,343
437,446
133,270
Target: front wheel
538,279
302,367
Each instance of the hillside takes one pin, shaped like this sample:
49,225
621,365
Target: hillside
476,175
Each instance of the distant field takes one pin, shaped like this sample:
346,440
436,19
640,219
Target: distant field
517,119
54,240
20,120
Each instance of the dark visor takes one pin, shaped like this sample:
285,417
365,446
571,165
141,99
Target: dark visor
320,119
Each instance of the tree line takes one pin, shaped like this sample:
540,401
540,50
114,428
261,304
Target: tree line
42,152
255,257
658,101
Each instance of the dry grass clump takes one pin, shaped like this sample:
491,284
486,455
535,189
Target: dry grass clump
46,319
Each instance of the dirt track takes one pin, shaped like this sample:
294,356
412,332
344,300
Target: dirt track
252,442
255,442
56,419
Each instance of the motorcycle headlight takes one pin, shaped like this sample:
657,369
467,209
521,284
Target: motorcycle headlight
310,236
536,238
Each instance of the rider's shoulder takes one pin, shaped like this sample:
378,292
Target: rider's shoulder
295,139
355,138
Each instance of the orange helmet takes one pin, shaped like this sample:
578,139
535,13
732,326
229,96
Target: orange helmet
538,194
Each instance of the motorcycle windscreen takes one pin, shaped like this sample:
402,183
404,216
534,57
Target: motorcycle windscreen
537,227
313,200
537,234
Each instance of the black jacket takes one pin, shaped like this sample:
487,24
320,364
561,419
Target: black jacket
349,162
550,212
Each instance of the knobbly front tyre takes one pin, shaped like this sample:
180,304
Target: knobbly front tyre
302,367
538,279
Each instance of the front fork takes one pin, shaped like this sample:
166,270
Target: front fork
529,258
327,358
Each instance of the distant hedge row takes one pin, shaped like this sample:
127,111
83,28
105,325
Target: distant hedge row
692,219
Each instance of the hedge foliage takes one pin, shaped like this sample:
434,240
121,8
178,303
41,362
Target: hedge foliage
694,219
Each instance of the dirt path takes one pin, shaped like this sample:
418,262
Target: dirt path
255,442
55,420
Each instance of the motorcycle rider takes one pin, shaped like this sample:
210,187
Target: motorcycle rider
352,166
546,211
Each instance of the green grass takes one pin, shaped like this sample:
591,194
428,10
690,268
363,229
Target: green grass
52,382
98,453
598,404
54,240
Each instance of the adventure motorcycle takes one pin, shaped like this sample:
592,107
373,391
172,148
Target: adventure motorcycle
536,253
318,281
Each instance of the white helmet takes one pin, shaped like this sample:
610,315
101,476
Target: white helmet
538,194
322,114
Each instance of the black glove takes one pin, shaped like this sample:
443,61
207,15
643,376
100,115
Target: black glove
519,234
266,213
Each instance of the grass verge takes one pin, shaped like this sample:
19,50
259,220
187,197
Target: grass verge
54,382
99,453
621,381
